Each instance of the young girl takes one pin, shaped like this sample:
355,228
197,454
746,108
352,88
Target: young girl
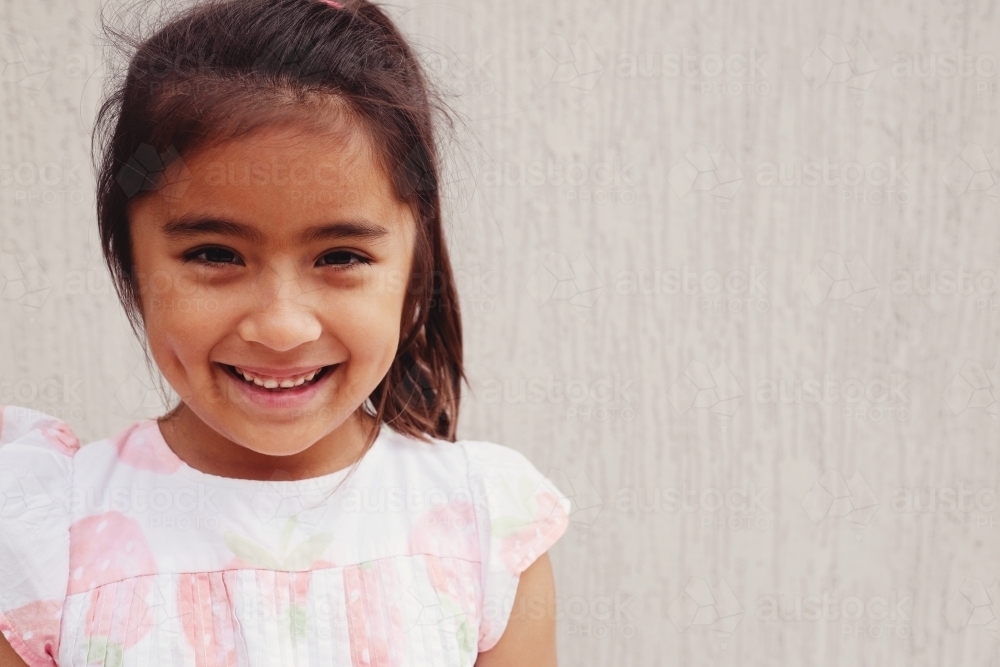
268,203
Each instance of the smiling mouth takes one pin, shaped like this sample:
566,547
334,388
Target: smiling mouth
276,386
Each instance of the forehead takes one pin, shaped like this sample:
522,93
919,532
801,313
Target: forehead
281,179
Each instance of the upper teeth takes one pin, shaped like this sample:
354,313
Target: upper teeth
274,383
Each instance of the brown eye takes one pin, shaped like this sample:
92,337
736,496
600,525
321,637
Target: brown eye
342,259
213,255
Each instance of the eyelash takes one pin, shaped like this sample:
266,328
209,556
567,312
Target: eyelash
194,256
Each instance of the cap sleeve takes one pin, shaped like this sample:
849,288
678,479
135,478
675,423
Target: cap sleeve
520,514
36,469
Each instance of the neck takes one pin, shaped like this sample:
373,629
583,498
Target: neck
205,449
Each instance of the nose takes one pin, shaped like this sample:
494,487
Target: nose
281,317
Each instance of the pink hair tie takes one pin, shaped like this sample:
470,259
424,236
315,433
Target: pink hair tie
335,5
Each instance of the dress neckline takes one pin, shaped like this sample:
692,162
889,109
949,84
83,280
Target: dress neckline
180,467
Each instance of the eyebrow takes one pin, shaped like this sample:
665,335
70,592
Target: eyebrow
190,226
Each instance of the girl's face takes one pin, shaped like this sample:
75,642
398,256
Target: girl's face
272,279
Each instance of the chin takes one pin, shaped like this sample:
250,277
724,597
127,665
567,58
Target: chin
268,438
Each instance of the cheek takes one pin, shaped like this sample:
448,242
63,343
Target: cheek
368,324
181,328
169,297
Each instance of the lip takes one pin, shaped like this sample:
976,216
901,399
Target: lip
291,398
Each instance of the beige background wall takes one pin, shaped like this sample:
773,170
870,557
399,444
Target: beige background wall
701,324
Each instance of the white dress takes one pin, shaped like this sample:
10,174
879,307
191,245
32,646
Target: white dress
118,553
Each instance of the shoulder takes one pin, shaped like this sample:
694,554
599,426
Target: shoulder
27,427
470,460
37,453
519,513
36,446
514,493
484,457
37,450
495,486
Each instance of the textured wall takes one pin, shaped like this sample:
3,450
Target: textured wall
748,253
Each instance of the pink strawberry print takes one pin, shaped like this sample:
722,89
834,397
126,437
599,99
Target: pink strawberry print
374,615
207,622
448,534
106,548
207,617
519,547
447,530
108,551
37,626
142,446
56,432
62,438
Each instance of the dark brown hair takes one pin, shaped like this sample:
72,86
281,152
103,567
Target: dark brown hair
221,69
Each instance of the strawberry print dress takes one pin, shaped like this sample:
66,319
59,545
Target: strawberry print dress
117,553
